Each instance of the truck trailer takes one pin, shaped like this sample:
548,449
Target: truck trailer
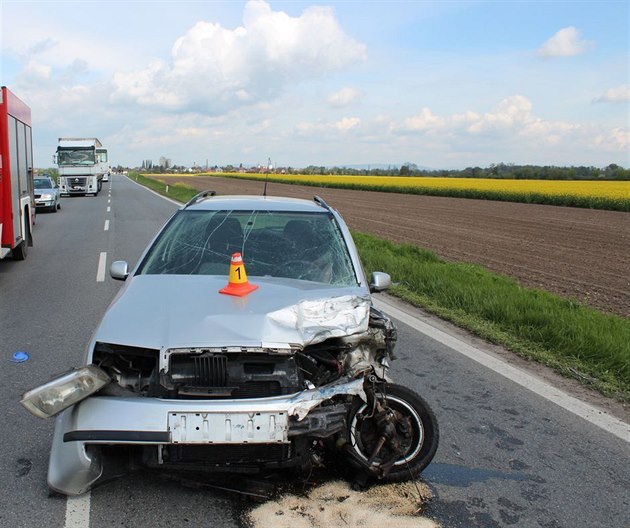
17,209
80,165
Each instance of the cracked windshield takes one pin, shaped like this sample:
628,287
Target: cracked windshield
291,245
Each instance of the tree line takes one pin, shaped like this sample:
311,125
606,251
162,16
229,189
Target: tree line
498,171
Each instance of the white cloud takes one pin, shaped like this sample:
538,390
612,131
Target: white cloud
425,120
347,123
617,139
511,112
344,97
57,44
619,94
35,71
565,43
214,69
322,127
511,126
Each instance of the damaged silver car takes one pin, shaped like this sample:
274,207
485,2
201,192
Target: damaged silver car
184,375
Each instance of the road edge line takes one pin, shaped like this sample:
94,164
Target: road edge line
179,204
78,511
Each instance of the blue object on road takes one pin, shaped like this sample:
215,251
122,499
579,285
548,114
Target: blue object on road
20,357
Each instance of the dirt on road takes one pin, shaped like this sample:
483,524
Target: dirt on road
578,253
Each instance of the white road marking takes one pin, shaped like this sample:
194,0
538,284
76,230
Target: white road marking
179,204
78,511
109,201
106,228
584,410
102,262
109,209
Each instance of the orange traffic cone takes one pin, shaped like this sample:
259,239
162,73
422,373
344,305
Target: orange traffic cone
237,282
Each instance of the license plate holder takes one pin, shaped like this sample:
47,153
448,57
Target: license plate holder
228,428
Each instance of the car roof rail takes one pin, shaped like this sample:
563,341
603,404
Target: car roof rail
198,197
320,201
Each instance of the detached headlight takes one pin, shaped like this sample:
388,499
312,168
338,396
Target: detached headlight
68,389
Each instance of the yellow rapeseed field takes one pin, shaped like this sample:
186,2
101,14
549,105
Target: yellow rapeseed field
591,189
597,194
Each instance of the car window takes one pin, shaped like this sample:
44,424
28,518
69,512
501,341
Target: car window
42,183
304,246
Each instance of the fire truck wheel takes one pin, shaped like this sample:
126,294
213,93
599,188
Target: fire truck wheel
20,252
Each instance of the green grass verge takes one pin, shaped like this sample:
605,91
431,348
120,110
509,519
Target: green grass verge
178,191
575,340
586,202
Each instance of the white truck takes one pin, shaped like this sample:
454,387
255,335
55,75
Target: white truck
81,165
101,158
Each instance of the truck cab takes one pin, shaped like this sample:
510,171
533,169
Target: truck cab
79,166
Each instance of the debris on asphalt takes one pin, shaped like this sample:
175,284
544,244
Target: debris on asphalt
337,504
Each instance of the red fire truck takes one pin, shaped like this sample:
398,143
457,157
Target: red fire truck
17,210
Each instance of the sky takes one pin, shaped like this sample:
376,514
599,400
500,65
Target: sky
442,84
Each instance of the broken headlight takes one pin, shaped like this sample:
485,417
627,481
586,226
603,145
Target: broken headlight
66,390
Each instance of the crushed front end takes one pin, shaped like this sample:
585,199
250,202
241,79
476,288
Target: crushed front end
236,409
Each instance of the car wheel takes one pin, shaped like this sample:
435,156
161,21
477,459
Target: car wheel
416,432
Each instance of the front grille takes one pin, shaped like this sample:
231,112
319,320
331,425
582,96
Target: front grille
258,389
38,196
209,371
230,375
76,180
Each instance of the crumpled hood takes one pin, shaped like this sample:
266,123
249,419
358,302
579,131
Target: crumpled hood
177,311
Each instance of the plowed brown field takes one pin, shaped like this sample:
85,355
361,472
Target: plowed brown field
579,253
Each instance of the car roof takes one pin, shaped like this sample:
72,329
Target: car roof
254,203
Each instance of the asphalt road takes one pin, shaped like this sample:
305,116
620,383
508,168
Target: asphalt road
507,457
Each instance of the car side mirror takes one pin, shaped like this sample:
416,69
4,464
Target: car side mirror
379,281
119,270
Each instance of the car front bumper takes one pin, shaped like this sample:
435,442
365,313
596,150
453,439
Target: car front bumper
44,203
75,461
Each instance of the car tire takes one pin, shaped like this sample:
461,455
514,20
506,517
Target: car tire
424,426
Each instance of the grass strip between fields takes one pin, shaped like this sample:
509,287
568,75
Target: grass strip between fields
573,339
